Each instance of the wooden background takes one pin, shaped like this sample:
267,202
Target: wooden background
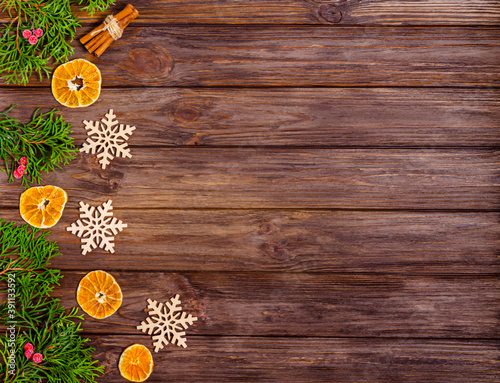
319,181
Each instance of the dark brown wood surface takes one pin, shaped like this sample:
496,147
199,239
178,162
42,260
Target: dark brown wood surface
445,243
249,56
319,117
309,304
318,181
257,178
285,359
345,12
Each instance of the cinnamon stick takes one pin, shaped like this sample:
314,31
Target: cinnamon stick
100,38
119,16
95,43
108,39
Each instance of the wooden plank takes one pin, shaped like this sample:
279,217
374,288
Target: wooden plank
298,304
347,117
301,57
247,178
295,241
254,359
367,12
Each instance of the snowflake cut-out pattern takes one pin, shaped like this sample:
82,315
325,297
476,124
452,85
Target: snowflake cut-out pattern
96,227
167,324
107,139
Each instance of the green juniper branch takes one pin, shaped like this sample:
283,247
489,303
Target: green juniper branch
18,58
40,318
44,141
96,5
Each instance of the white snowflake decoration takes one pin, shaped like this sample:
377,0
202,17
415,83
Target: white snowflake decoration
107,139
165,325
96,226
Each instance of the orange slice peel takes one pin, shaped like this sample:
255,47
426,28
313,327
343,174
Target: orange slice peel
42,206
136,363
99,295
77,83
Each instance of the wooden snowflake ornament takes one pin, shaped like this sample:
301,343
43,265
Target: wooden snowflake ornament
168,321
96,226
107,139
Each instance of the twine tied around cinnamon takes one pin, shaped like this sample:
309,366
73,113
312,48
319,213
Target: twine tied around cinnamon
110,25
99,39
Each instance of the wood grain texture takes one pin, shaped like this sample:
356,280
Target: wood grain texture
290,241
279,178
259,56
299,304
345,12
278,359
317,180
347,117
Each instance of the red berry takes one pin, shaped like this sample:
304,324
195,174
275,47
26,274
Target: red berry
23,161
39,32
17,174
37,358
21,169
33,40
26,33
28,346
29,353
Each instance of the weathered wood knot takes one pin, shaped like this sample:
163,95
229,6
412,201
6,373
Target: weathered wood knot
330,13
114,179
187,114
187,111
198,139
115,182
182,113
150,61
277,251
268,228
271,316
106,180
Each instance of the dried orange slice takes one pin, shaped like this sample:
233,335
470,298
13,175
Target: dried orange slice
42,206
76,84
98,294
136,363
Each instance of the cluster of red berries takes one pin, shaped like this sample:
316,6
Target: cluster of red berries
29,352
23,162
33,37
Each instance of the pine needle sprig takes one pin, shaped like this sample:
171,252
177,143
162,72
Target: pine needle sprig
40,319
19,59
16,65
96,5
67,358
44,141
27,253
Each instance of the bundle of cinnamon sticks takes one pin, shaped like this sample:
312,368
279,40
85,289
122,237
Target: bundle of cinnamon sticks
100,38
